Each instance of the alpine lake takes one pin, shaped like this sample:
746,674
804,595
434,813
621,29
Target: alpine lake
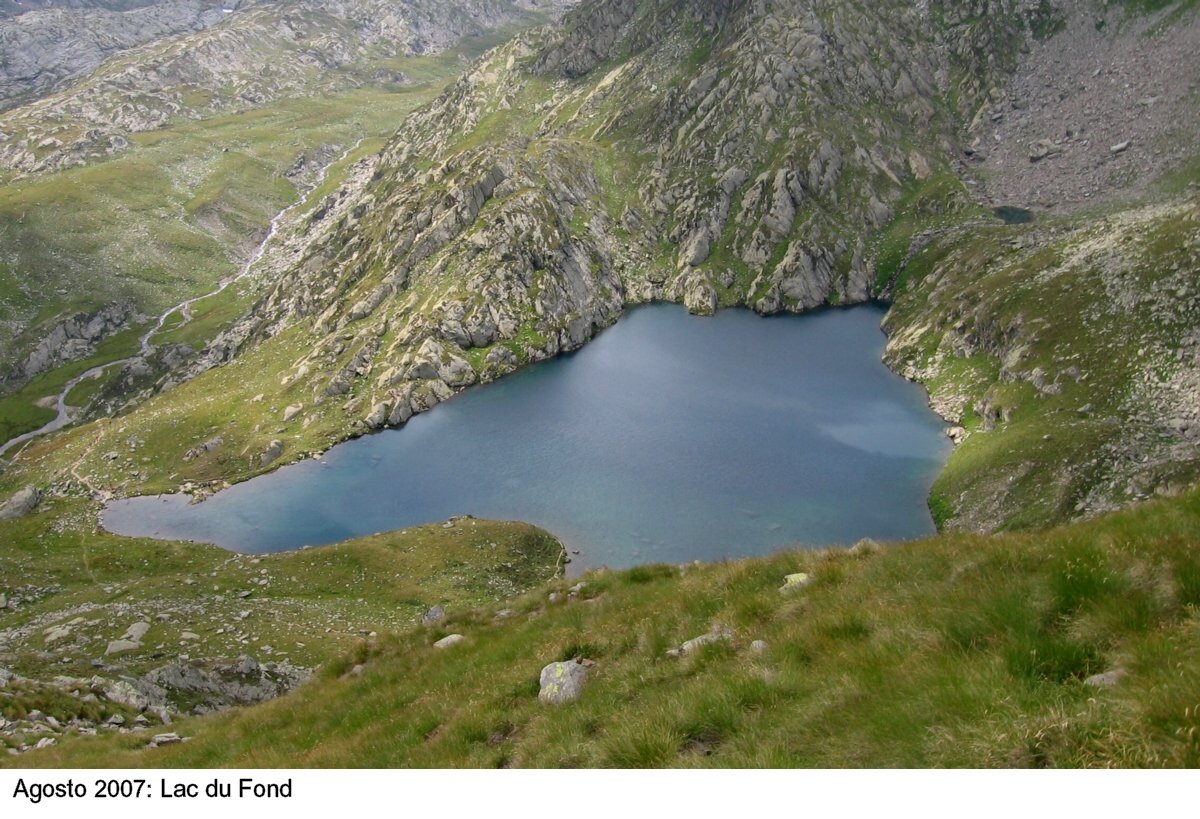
668,438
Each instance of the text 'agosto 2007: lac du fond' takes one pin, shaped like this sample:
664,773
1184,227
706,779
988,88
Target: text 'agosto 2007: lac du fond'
243,788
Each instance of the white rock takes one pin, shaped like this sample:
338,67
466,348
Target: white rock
794,582
449,640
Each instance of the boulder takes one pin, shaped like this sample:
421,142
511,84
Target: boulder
291,412
562,683
136,632
1043,149
121,646
433,616
450,640
271,453
20,504
758,646
57,633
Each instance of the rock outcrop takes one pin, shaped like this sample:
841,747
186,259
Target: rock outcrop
20,504
69,339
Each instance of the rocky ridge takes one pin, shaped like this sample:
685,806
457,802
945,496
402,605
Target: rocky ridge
725,160
41,48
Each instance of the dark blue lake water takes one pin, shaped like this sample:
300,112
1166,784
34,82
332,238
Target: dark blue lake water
668,438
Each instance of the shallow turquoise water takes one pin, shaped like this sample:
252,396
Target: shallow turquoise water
668,438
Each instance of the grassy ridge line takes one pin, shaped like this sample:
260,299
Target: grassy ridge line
951,651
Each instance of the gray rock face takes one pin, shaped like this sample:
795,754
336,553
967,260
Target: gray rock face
133,693
562,683
39,49
21,503
433,616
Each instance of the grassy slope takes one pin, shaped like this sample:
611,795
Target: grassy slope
958,650
313,606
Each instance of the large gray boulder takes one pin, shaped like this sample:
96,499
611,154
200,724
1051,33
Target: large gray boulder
20,504
562,682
